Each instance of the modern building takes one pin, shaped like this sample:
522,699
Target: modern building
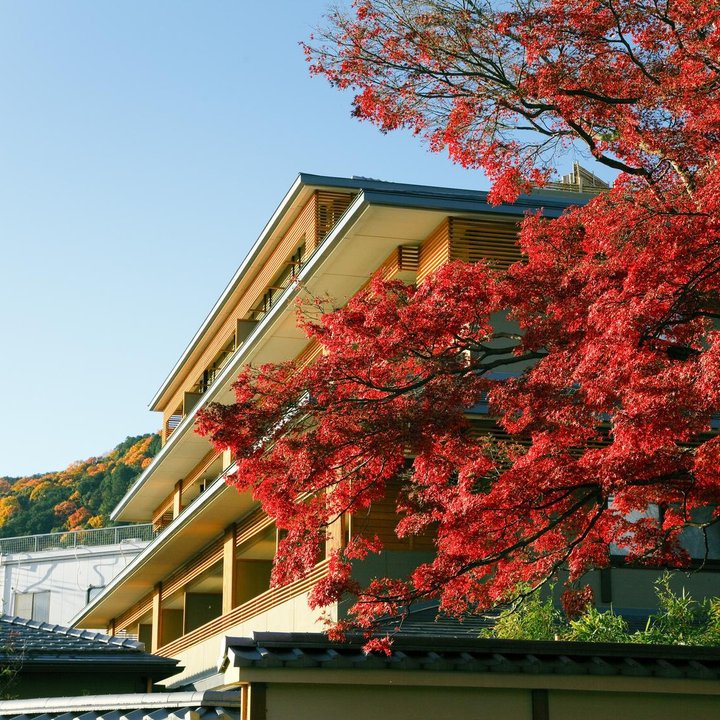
206,575
51,577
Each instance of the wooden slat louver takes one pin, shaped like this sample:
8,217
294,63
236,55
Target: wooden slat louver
475,240
330,208
312,351
408,258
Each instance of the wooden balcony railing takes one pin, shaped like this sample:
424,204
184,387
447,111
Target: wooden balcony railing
170,425
260,604
279,271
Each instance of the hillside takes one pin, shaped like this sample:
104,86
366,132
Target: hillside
81,496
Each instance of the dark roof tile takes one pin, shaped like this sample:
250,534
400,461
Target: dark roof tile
472,654
209,705
33,636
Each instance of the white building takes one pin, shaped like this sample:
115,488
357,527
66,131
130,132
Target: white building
50,578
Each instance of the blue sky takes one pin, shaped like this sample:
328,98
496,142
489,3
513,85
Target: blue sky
143,146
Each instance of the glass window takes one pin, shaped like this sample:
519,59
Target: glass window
33,606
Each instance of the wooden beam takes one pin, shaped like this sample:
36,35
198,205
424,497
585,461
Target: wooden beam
245,701
156,618
177,499
229,584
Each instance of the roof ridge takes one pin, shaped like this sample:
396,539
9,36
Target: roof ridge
124,701
80,633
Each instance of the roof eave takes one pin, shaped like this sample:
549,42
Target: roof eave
381,192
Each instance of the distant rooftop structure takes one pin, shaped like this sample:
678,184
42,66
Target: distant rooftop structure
51,577
77,538
579,180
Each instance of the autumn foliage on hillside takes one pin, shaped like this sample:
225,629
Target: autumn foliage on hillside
81,496
609,384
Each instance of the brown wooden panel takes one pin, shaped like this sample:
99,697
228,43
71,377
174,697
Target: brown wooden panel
435,251
475,240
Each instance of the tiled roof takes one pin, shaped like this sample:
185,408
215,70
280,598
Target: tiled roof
37,647
466,654
157,706
33,636
429,621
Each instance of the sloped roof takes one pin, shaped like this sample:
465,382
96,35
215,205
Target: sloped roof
207,705
429,621
313,650
35,636
40,645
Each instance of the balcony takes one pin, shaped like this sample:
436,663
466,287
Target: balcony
278,273
261,603
187,490
221,587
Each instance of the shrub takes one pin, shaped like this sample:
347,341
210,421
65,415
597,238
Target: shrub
680,620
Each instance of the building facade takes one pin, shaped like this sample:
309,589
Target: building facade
52,577
206,575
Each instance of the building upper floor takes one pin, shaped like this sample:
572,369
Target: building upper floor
328,237
209,567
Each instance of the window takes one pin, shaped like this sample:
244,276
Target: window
93,591
33,606
699,545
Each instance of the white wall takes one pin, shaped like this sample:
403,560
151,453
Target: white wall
66,574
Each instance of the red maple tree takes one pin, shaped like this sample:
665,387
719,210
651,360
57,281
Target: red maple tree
606,391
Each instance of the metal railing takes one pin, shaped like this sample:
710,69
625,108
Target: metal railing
77,538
